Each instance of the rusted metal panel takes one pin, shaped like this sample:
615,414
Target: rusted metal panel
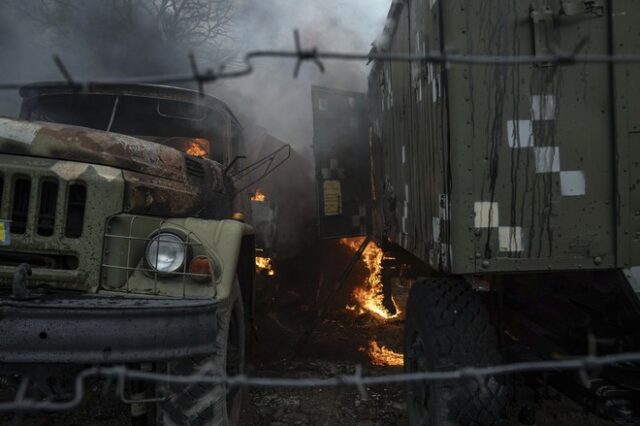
160,180
58,141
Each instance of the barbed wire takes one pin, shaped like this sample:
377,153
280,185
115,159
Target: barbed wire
584,366
316,56
301,55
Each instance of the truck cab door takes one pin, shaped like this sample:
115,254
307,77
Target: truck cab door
342,162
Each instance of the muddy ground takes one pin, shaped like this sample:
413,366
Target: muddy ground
287,309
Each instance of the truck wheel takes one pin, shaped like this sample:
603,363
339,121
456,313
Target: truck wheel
205,405
447,328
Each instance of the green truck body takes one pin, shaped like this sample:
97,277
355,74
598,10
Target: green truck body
507,192
513,168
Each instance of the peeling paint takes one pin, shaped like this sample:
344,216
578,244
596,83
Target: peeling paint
547,159
510,238
486,214
18,131
520,133
69,170
543,107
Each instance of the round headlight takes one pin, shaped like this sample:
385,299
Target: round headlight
166,252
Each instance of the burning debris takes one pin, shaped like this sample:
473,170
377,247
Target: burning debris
265,264
198,148
259,196
383,356
195,147
370,296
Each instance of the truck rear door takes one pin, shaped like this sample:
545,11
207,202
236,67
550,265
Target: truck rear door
341,152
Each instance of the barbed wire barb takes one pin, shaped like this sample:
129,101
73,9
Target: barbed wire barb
63,70
305,55
357,378
209,76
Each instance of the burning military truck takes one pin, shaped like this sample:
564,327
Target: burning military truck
515,186
124,241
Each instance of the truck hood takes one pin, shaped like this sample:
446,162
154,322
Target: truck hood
159,180
65,142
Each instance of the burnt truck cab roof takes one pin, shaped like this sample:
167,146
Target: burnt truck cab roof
197,124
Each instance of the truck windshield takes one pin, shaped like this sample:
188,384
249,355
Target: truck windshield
193,129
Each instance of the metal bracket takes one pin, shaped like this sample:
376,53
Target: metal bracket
543,32
233,162
582,7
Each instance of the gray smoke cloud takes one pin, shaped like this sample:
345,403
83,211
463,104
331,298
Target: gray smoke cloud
93,46
271,97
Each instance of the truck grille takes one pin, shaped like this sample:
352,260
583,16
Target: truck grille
47,210
20,205
194,168
35,206
75,210
57,212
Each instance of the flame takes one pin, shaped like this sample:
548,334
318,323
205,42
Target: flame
264,264
383,356
259,196
370,297
197,147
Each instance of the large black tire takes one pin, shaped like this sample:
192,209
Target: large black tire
447,328
207,405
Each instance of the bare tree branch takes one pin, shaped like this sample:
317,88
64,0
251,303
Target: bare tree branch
183,25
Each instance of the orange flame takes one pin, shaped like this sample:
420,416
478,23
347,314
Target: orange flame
264,264
370,296
197,147
383,356
259,196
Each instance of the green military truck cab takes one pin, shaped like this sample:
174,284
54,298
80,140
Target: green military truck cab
118,244
514,186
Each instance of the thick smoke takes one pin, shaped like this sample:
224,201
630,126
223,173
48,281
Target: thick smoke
107,39
271,97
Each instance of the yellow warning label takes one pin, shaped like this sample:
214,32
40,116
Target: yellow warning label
4,233
332,198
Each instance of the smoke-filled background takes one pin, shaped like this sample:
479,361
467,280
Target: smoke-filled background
105,39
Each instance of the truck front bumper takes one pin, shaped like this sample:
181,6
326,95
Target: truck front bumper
101,329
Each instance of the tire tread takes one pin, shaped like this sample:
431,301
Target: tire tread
458,332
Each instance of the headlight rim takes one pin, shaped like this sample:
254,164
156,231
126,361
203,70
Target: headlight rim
183,268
